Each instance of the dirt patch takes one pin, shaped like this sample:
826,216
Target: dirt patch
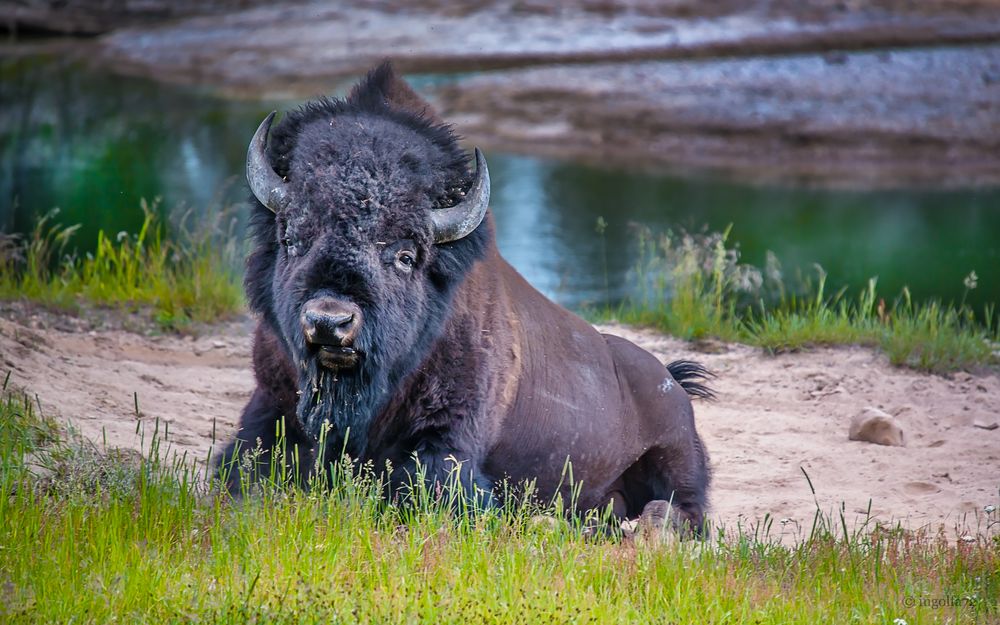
776,414
774,417
93,378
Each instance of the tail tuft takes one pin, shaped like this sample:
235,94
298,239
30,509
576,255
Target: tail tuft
692,377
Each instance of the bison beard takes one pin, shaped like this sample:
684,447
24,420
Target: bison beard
337,409
337,406
390,326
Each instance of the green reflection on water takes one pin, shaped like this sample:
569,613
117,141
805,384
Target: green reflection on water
928,240
93,144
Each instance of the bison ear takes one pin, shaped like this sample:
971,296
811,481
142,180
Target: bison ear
383,86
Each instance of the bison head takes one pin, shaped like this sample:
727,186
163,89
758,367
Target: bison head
366,218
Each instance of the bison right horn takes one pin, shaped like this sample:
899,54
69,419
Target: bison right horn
455,222
267,186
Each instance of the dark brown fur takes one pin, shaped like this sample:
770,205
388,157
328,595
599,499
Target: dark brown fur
464,360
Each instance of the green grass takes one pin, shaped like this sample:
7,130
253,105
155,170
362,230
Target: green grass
691,286
193,277
694,287
92,538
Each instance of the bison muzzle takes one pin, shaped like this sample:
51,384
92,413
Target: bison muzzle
390,327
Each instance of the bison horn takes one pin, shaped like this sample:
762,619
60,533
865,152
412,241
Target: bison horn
267,186
455,222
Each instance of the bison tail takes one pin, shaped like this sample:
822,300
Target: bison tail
692,377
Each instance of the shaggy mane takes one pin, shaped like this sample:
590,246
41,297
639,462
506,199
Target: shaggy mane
380,93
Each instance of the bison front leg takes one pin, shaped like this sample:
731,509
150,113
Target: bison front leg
269,439
267,445
435,473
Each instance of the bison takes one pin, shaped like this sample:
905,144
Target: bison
389,321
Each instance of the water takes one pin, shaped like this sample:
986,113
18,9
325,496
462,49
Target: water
93,144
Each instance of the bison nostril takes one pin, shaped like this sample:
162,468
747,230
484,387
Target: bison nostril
342,320
330,323
315,319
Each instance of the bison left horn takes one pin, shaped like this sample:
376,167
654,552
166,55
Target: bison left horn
267,186
455,222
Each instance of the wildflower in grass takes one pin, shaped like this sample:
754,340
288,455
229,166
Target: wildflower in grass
899,621
772,267
600,226
747,278
971,281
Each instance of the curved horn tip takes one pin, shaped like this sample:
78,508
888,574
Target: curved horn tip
458,221
266,185
264,130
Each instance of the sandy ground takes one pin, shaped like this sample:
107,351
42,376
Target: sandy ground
775,416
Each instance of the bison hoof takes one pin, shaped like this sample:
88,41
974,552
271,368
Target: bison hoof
657,524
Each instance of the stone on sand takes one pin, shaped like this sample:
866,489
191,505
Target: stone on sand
872,425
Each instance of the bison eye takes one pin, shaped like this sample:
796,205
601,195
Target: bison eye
290,247
405,260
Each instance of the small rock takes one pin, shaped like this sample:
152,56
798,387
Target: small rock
218,344
872,425
982,425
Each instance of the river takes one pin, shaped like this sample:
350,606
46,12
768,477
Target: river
92,143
